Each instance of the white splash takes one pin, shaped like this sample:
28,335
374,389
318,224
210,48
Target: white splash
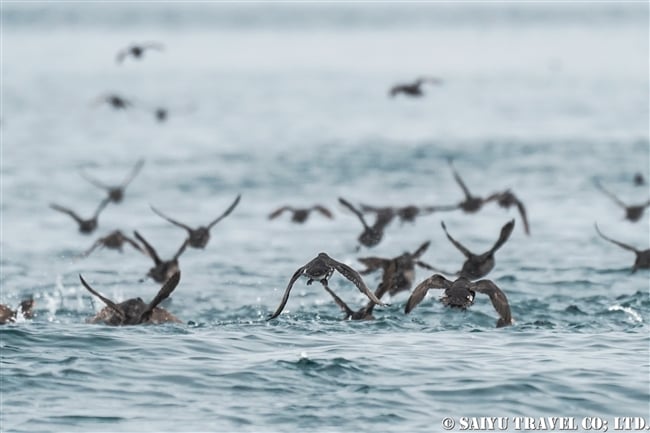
635,316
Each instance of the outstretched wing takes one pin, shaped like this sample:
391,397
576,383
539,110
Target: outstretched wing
620,244
431,268
457,244
92,248
134,244
372,264
226,213
165,217
105,300
339,301
436,281
459,181
181,249
609,194
355,278
354,211
285,297
506,230
522,213
101,206
67,211
498,298
151,252
323,210
134,172
93,181
276,213
163,294
420,250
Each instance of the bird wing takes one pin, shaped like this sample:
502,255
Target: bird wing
162,294
522,213
372,264
285,297
65,210
134,244
506,230
620,244
226,213
276,213
498,298
101,206
431,268
181,249
355,278
421,250
121,55
105,300
457,244
176,223
134,172
609,194
339,301
436,281
152,46
323,210
354,211
92,248
151,252
459,181
93,181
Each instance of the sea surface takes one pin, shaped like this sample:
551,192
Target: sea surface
287,104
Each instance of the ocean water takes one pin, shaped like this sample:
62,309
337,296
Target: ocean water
287,104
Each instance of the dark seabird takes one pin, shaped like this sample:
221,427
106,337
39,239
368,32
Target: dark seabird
199,237
116,102
134,311
642,257
471,203
507,199
300,215
137,50
161,114
7,315
114,240
479,265
399,272
632,213
116,193
404,213
413,89
162,270
461,293
371,235
321,269
639,180
86,226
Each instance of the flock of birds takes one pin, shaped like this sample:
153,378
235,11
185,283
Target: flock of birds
398,273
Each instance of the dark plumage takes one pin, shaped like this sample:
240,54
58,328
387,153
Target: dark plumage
321,269
135,311
163,269
199,237
86,226
404,213
479,265
633,213
642,257
413,89
116,193
300,215
371,235
461,294
114,240
137,50
115,101
7,315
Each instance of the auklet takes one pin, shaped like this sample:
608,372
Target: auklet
116,193
114,240
116,101
162,270
413,89
300,215
404,214
199,237
479,265
137,50
506,199
134,311
371,235
642,257
86,226
461,293
321,269
7,315
633,213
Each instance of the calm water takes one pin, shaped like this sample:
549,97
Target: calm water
287,104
